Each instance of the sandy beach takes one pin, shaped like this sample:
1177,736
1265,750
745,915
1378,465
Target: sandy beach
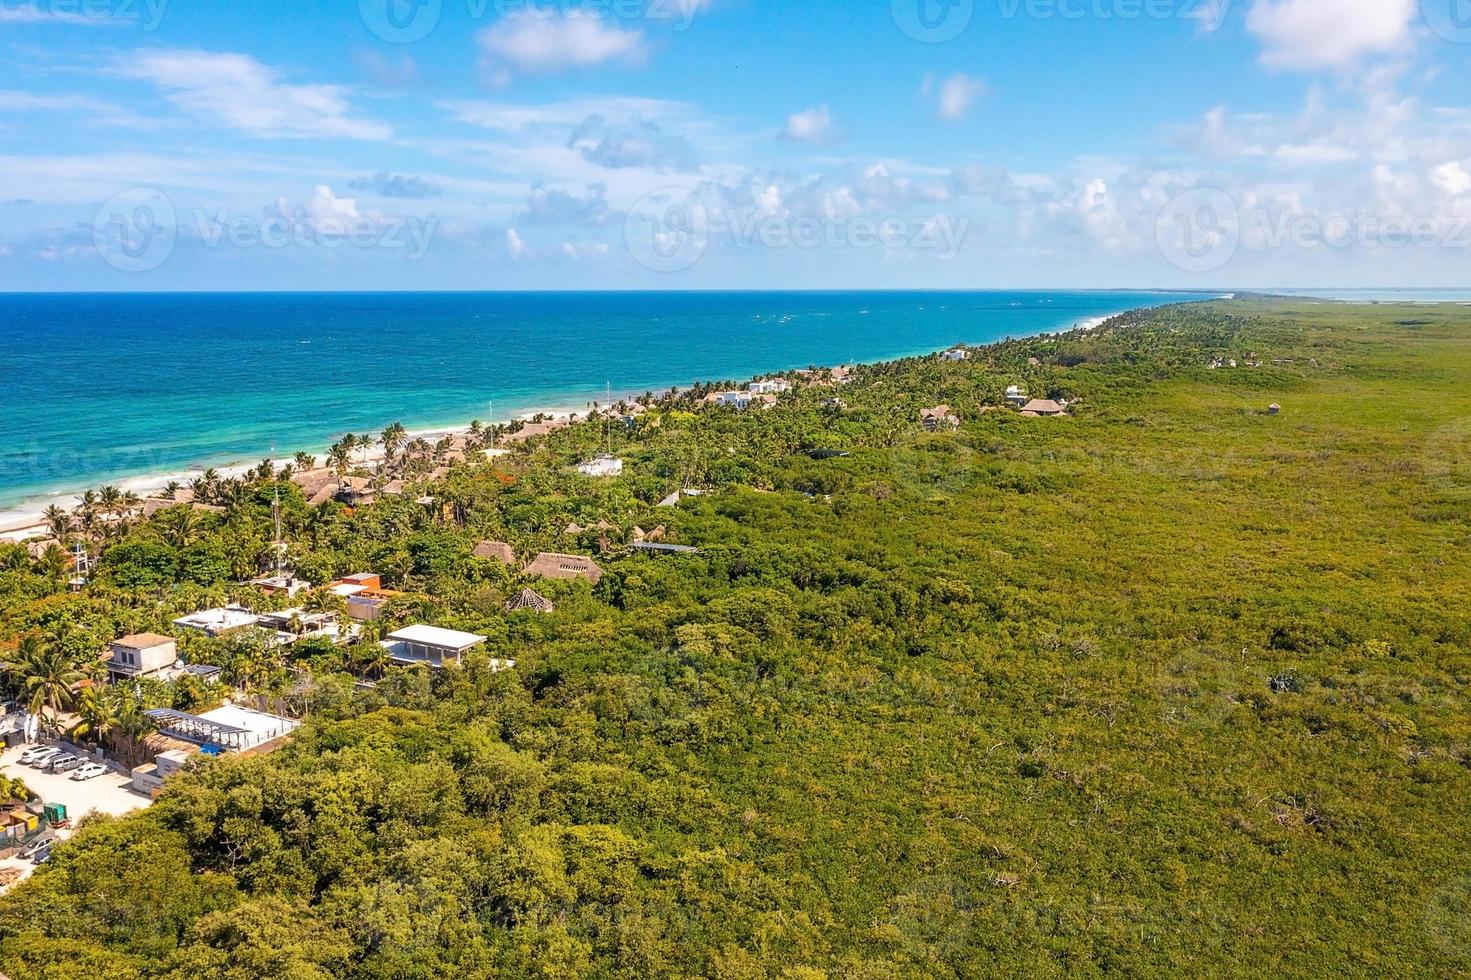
26,521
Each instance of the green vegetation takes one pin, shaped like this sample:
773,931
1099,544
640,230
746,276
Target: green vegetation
1171,686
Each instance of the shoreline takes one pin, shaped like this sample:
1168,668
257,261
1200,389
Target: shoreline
24,520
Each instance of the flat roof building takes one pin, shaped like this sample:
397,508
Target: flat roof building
229,728
603,466
430,645
281,584
217,622
143,655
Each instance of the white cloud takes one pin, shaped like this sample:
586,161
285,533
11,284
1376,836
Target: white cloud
577,250
1451,178
955,95
811,126
238,92
566,114
515,247
537,42
1312,34
324,209
103,113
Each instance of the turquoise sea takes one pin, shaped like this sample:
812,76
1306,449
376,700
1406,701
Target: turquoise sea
106,387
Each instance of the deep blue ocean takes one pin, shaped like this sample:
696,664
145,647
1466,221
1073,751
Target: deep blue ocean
101,388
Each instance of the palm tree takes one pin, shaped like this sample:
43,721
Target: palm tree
54,564
110,500
178,526
258,667
402,564
58,522
305,461
339,457
91,526
43,675
13,557
316,522
393,438
99,715
210,480
325,601
234,494
132,726
373,659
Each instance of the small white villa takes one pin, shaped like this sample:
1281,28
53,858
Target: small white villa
435,646
603,466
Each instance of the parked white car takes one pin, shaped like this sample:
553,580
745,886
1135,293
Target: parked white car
88,771
43,758
34,752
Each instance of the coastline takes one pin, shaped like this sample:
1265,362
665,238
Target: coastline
24,519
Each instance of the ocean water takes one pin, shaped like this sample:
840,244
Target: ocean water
99,388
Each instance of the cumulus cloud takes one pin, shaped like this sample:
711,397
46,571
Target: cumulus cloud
237,92
1313,34
540,42
515,247
811,126
553,206
1451,178
635,142
405,186
954,95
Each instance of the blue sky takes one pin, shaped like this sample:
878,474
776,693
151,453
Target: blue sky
673,144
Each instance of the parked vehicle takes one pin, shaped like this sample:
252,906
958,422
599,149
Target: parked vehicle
67,763
41,759
35,752
43,855
35,847
50,764
90,770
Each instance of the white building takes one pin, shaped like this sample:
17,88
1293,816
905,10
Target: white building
217,622
430,645
149,779
734,399
773,386
603,466
143,655
285,584
292,625
229,728
958,354
1016,396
